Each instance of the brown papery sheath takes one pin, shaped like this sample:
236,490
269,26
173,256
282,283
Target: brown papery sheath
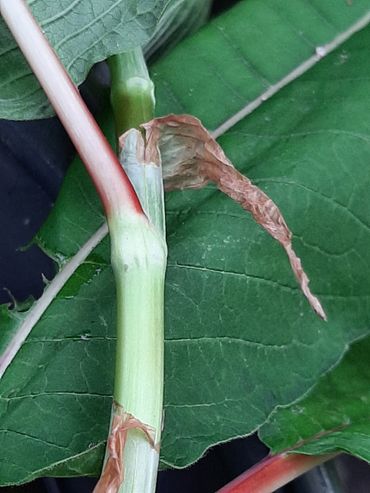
191,158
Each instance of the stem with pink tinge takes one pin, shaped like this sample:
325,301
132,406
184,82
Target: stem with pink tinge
273,473
110,180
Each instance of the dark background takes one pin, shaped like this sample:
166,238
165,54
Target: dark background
33,159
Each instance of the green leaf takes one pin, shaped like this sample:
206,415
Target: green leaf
83,33
333,418
240,338
248,53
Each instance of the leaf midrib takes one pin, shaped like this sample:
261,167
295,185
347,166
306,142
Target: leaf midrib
321,52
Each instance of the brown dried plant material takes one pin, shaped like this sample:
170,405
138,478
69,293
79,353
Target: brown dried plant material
112,475
191,158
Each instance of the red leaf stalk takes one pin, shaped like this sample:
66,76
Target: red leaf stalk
111,182
273,473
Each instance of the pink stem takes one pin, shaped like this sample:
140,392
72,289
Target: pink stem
102,164
273,473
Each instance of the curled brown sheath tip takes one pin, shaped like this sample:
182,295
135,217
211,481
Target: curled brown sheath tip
191,158
113,475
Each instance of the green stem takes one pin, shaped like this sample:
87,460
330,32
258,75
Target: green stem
132,91
139,254
139,263
138,246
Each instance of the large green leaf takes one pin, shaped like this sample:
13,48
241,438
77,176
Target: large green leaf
240,338
334,418
83,33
